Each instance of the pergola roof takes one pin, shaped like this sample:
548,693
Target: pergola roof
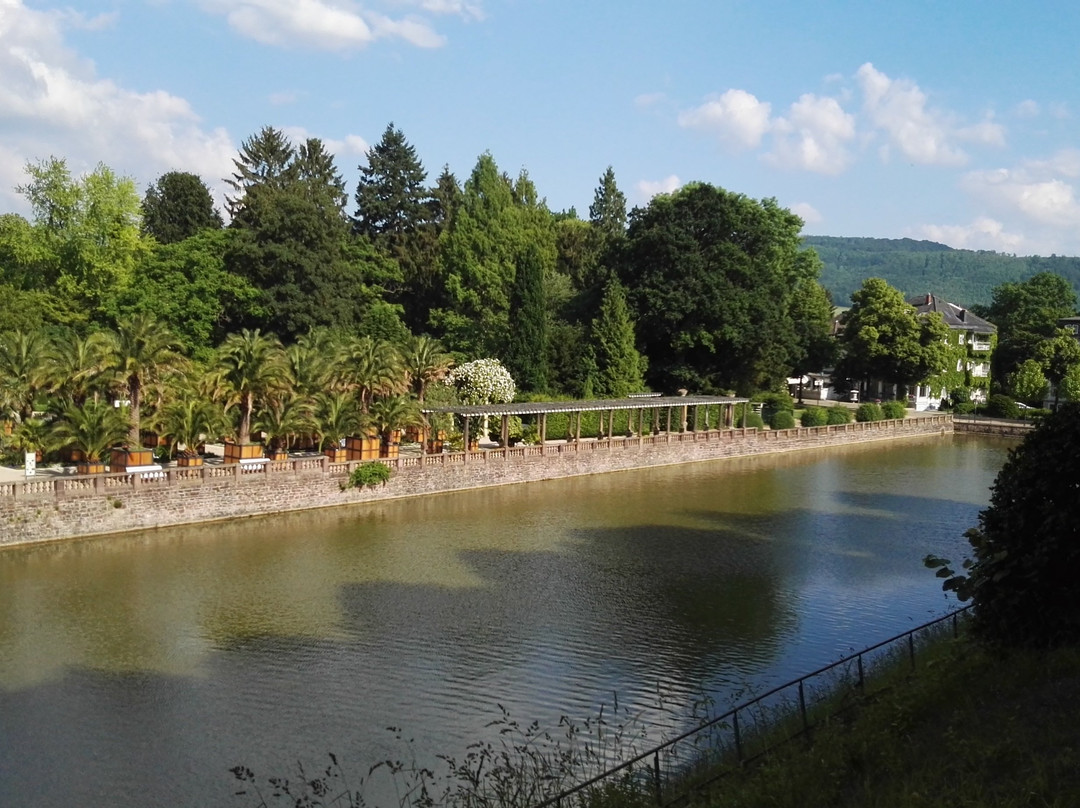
589,405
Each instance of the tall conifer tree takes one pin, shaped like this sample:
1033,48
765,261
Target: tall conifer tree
526,351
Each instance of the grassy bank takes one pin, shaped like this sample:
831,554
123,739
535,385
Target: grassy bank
971,728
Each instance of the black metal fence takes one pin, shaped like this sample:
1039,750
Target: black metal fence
692,760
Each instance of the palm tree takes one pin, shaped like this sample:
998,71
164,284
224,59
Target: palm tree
252,366
77,365
426,363
315,362
392,413
23,370
282,418
140,350
92,428
374,368
189,420
336,415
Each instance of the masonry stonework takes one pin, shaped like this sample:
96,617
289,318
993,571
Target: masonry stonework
46,510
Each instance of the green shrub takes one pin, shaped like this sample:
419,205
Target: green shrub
776,401
966,408
894,410
782,419
1002,406
1034,414
839,415
369,474
753,421
814,416
869,411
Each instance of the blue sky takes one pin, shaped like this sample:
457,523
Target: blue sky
951,121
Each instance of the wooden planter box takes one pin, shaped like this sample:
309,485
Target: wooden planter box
72,455
235,452
434,447
412,435
336,454
123,459
189,460
277,455
389,450
153,439
362,447
90,467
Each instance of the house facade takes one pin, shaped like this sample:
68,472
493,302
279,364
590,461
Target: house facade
971,344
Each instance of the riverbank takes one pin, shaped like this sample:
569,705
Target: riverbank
972,727
58,507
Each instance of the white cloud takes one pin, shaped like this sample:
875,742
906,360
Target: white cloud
350,145
1027,109
807,212
335,25
467,11
737,118
647,189
813,136
52,103
982,234
899,108
1035,190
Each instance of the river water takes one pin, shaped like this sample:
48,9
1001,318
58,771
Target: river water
137,669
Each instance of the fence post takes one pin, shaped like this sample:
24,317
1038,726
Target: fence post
738,738
802,707
656,777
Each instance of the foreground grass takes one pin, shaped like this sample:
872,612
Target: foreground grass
971,728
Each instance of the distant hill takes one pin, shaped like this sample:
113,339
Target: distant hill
964,277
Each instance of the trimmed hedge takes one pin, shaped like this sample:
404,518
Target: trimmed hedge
894,410
839,415
814,416
869,411
782,419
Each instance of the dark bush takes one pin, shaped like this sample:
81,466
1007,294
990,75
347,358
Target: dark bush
894,410
1002,406
782,419
839,415
814,416
1027,554
753,421
967,408
869,411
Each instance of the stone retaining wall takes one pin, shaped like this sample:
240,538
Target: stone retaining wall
993,426
66,507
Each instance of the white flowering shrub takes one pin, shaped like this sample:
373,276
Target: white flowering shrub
482,381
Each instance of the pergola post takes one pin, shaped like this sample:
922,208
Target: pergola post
641,424
543,431
465,438
610,424
669,424
577,428
504,435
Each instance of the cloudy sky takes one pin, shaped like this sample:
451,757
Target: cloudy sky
952,121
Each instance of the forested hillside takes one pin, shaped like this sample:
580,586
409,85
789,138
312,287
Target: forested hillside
965,277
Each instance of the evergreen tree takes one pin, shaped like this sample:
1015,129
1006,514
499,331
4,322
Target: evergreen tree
526,348
619,366
391,197
265,161
178,206
608,210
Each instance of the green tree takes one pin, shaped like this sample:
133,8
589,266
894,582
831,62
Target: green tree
619,366
526,347
884,338
494,221
391,197
252,367
607,213
24,370
1058,355
1028,382
1026,313
812,316
265,162
186,286
86,234
426,362
76,366
139,351
1026,554
178,206
709,276
92,428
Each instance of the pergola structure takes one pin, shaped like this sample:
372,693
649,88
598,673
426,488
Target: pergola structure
688,409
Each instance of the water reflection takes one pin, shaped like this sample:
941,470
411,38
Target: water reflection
150,662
